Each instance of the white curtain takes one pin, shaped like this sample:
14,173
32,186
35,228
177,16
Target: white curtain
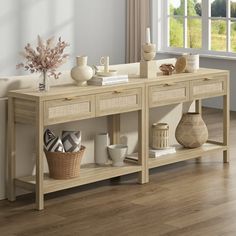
138,18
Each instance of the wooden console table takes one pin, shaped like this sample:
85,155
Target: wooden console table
71,103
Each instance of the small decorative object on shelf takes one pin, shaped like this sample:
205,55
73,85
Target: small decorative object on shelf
160,135
104,61
101,143
117,153
64,165
148,67
108,80
71,140
64,156
148,49
155,153
180,65
46,58
52,143
192,62
167,69
81,73
191,131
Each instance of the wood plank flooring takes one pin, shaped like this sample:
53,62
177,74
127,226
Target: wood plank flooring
183,199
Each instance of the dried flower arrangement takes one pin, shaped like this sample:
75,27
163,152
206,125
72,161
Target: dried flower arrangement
46,58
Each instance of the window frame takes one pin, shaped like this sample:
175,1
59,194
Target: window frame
160,15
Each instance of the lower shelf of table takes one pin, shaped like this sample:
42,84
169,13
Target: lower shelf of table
183,154
90,173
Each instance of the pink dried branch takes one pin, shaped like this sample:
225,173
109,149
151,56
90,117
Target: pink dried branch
47,56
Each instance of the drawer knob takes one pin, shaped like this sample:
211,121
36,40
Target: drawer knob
117,92
167,84
68,99
206,79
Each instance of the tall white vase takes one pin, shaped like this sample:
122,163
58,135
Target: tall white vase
81,72
100,148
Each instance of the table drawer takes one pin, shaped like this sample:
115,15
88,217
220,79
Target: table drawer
69,109
208,87
118,101
168,93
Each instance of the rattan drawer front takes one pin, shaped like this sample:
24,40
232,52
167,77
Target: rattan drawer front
118,101
69,109
207,87
169,93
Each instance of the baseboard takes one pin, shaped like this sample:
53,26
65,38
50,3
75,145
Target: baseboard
2,197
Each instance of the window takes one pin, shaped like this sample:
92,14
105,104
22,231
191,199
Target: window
203,26
185,24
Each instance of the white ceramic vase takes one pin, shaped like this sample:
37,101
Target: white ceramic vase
192,62
81,73
117,153
101,143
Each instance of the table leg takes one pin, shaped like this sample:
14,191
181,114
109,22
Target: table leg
39,159
11,152
143,147
198,108
226,121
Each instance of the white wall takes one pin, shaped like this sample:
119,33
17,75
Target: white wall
94,28
2,148
224,64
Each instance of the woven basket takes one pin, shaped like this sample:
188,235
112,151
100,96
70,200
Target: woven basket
64,165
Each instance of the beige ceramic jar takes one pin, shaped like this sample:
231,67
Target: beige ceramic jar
160,135
191,131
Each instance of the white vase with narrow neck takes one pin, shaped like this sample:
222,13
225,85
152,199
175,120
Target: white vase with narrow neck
81,73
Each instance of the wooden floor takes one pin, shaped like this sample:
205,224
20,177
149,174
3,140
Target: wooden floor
187,198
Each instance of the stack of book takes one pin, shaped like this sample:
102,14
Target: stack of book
153,153
108,80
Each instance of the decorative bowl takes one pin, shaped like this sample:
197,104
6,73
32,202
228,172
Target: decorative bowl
117,153
150,47
167,69
148,56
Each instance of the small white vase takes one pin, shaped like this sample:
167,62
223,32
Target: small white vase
192,62
117,153
81,73
100,148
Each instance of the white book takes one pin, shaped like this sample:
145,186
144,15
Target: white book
153,153
110,78
100,83
132,157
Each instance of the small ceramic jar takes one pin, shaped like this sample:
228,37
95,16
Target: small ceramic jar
192,62
160,135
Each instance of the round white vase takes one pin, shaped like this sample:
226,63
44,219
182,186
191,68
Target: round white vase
101,143
81,73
